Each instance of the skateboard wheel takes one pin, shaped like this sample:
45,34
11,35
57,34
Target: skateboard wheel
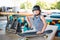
48,23
26,38
46,36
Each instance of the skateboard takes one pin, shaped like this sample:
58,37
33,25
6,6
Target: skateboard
33,34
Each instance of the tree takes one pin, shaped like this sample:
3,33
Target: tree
53,5
22,6
43,5
40,4
28,5
58,5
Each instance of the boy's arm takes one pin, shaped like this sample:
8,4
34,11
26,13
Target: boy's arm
30,25
25,14
44,27
44,22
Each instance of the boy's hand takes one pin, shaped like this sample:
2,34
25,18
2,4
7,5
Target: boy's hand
39,32
30,25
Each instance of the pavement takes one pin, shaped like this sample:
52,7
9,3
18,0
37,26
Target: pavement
3,34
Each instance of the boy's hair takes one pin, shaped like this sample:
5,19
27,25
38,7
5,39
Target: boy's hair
36,7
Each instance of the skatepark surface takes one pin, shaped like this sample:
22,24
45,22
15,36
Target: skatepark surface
9,36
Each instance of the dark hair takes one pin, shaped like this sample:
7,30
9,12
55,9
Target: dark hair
36,7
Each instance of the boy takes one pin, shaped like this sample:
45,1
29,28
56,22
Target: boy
38,20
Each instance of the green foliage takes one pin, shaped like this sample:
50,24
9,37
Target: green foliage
28,5
41,4
53,5
22,6
58,5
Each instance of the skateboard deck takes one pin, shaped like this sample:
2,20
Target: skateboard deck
32,34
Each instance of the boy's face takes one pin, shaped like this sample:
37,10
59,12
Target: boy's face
36,12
